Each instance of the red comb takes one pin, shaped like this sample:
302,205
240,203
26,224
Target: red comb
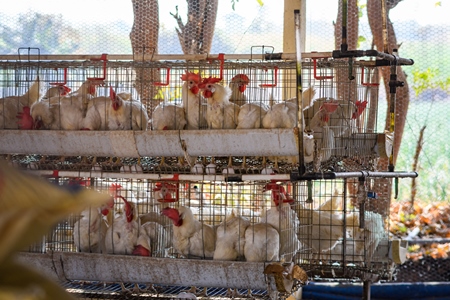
115,187
65,90
242,77
112,93
106,208
92,89
209,80
191,76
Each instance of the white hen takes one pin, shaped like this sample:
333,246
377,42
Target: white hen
221,113
251,115
168,116
121,236
285,114
190,236
262,243
89,232
339,115
152,240
193,103
12,105
284,219
63,111
238,85
230,238
115,113
366,239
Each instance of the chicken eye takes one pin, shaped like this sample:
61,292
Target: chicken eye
191,82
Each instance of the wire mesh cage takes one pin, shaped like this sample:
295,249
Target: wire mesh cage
338,108
318,225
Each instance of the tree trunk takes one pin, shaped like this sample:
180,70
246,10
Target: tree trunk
197,34
402,96
144,41
374,11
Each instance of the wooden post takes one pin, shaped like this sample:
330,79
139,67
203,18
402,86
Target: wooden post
289,76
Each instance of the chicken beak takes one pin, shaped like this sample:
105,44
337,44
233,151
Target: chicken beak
242,88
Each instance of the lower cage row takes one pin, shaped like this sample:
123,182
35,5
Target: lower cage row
319,225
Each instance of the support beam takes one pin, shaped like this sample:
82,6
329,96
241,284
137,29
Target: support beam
289,40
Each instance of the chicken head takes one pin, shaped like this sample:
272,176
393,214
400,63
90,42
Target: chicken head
173,214
129,209
116,101
193,80
106,208
241,80
208,87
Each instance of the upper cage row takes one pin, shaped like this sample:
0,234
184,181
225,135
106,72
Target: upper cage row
336,113
214,81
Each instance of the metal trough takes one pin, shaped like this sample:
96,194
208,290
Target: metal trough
150,143
167,271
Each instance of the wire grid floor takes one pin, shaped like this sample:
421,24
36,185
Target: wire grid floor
101,290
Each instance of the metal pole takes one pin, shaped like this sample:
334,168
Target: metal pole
393,85
301,158
366,291
344,45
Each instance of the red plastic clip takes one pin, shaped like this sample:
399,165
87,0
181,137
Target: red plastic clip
65,79
221,58
104,58
366,83
275,79
315,70
167,189
167,79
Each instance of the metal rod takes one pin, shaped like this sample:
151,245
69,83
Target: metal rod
196,57
157,57
427,241
393,85
344,237
344,45
366,290
365,174
220,177
301,157
374,53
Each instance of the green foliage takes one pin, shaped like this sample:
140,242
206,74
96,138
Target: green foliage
423,80
434,162
361,39
361,8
